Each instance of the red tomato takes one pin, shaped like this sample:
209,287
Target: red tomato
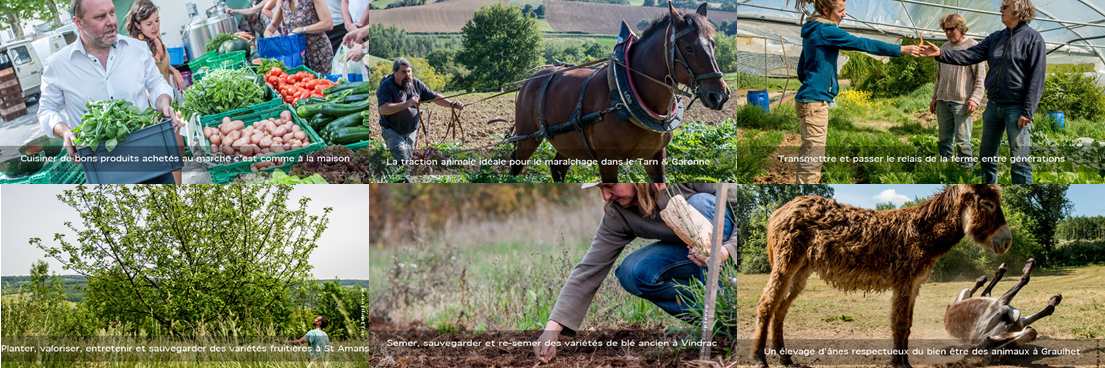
312,84
319,89
276,70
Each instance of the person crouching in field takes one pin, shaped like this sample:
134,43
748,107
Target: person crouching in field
822,40
657,272
957,94
316,339
1014,85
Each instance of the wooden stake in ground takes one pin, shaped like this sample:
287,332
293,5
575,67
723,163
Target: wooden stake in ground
720,202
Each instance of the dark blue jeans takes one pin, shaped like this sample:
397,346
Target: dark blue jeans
998,119
659,272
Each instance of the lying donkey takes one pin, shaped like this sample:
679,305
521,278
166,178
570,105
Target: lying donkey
988,323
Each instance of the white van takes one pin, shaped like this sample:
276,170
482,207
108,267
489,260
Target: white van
28,66
55,40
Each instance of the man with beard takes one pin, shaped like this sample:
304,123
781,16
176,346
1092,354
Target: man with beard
101,66
399,95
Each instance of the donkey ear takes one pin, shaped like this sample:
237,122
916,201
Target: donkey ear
675,17
702,10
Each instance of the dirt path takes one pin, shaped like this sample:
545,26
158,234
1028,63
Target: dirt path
482,123
416,346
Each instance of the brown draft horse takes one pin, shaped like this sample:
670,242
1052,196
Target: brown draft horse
615,139
859,249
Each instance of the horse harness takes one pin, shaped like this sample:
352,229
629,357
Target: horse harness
624,100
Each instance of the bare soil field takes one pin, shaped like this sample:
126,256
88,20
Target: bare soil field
484,123
392,346
576,16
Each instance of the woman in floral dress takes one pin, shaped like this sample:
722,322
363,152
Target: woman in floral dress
310,18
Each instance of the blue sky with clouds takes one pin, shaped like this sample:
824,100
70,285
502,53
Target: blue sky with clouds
1088,199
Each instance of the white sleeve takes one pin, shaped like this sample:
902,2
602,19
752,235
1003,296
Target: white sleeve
155,82
52,102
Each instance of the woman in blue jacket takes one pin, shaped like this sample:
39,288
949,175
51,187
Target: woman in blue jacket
822,40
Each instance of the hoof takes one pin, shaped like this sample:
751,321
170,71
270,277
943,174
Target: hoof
785,360
1055,299
1029,265
982,280
1002,267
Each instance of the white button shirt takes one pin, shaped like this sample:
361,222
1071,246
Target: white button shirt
73,77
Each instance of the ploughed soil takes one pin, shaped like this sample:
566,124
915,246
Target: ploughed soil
416,345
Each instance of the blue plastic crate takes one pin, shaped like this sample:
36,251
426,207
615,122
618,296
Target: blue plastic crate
177,56
352,77
145,154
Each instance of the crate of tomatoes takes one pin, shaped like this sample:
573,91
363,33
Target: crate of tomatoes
297,85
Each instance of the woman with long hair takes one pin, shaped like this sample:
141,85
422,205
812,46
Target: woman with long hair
659,272
822,40
144,23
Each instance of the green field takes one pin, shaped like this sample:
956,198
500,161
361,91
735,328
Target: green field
462,280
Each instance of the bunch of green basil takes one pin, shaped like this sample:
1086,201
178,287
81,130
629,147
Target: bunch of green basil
110,121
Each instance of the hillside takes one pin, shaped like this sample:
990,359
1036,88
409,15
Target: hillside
574,16
564,16
446,16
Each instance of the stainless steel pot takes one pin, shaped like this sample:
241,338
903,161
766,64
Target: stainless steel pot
200,32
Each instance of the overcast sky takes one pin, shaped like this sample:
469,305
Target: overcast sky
1088,199
28,211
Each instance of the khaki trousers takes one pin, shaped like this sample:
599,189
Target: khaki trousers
813,124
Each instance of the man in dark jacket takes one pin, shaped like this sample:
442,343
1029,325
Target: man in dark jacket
1017,64
399,95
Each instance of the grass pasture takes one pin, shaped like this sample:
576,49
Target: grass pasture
902,127
822,313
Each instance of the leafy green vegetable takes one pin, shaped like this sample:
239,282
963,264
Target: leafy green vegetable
279,177
221,91
110,121
217,41
267,64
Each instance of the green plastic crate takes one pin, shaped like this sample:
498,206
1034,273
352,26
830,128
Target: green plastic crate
302,68
201,61
197,76
58,171
223,174
214,120
357,146
228,60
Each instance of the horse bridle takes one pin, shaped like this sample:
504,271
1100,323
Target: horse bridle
673,51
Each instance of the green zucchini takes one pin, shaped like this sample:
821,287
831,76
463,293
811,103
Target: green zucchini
342,87
350,135
319,121
310,101
343,122
307,111
356,98
334,109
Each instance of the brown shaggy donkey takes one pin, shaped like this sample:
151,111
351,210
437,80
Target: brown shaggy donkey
859,249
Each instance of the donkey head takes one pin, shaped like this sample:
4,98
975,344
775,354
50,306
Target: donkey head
693,54
983,219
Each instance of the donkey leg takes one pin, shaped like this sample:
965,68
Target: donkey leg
559,171
901,318
777,285
797,285
1048,310
978,283
1008,296
656,172
522,152
997,276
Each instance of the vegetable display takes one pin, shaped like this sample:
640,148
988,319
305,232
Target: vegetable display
264,66
352,168
262,138
294,87
218,41
110,121
279,177
221,91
